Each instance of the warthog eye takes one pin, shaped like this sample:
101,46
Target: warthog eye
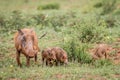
64,57
50,54
24,39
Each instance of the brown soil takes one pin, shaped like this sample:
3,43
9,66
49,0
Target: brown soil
61,76
92,77
14,79
116,76
13,55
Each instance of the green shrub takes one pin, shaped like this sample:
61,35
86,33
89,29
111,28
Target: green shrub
92,31
49,6
2,24
117,12
39,18
108,6
14,21
110,21
77,51
82,55
26,1
2,20
71,47
98,5
17,19
59,20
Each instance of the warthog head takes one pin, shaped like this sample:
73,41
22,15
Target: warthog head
27,38
64,59
52,55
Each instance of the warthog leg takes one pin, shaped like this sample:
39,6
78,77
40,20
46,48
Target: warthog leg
28,61
57,63
36,58
106,56
42,61
18,58
47,62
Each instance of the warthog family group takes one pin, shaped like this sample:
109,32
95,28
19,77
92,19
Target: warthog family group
26,42
55,54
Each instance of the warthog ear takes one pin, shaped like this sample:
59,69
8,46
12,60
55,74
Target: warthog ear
20,31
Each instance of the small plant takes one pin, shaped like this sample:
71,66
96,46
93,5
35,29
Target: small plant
2,20
98,5
49,6
108,6
110,21
117,11
39,18
102,63
82,54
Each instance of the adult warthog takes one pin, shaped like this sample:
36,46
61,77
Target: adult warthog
26,42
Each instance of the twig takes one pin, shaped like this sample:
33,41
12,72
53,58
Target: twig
42,36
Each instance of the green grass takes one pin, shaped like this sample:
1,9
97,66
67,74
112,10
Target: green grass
32,5
78,72
74,71
73,18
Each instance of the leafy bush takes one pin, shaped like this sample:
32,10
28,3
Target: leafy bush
49,6
14,21
39,18
2,20
59,20
108,6
94,31
98,5
82,54
110,21
117,12
77,51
